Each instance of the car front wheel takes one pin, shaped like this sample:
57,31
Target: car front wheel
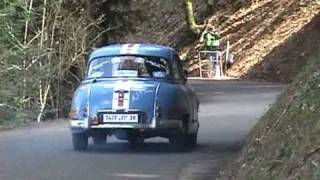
80,141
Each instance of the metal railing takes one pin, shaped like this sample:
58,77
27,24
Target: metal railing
215,64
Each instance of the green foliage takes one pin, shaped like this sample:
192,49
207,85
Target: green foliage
39,43
316,173
43,46
12,22
11,53
10,117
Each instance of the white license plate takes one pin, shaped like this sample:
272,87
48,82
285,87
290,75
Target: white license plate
123,118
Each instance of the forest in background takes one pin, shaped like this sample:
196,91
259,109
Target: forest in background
43,47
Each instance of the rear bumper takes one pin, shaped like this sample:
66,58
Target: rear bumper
80,126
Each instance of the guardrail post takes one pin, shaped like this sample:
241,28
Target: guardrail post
200,64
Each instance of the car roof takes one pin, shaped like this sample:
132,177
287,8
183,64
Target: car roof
133,49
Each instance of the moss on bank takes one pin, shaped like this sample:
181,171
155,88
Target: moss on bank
285,144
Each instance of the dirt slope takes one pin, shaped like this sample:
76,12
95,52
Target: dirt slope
264,34
267,26
161,22
284,62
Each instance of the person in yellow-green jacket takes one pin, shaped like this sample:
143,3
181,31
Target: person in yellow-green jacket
211,40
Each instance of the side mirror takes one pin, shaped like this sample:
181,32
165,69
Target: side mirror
185,71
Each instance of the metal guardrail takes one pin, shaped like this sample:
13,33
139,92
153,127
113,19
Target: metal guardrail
221,57
216,61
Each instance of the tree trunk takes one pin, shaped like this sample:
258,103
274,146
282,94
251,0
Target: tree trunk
210,2
190,17
42,94
25,39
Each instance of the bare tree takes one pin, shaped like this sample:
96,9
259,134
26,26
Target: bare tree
190,17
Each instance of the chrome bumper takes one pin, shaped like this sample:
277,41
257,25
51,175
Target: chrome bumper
161,125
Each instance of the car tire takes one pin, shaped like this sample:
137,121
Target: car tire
99,139
80,141
192,140
177,142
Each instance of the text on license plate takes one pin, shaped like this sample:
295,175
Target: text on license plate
132,118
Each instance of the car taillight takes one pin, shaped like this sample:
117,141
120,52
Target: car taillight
74,114
94,120
175,114
85,112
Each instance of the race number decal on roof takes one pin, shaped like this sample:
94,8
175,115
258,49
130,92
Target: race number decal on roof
129,49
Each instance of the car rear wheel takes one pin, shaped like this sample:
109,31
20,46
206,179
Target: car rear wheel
177,142
80,141
192,140
99,139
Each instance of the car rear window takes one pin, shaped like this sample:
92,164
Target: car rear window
129,66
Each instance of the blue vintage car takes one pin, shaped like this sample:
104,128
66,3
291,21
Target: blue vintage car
134,91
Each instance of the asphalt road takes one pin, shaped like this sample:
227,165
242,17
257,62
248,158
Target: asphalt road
229,109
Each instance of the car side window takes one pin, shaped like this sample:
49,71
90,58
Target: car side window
179,67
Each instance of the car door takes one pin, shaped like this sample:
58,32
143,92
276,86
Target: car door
188,94
191,96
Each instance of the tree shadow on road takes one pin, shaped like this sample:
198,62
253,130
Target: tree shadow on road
126,148
163,148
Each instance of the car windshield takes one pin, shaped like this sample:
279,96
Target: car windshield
129,66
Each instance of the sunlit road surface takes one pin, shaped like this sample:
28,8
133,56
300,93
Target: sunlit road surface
228,110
